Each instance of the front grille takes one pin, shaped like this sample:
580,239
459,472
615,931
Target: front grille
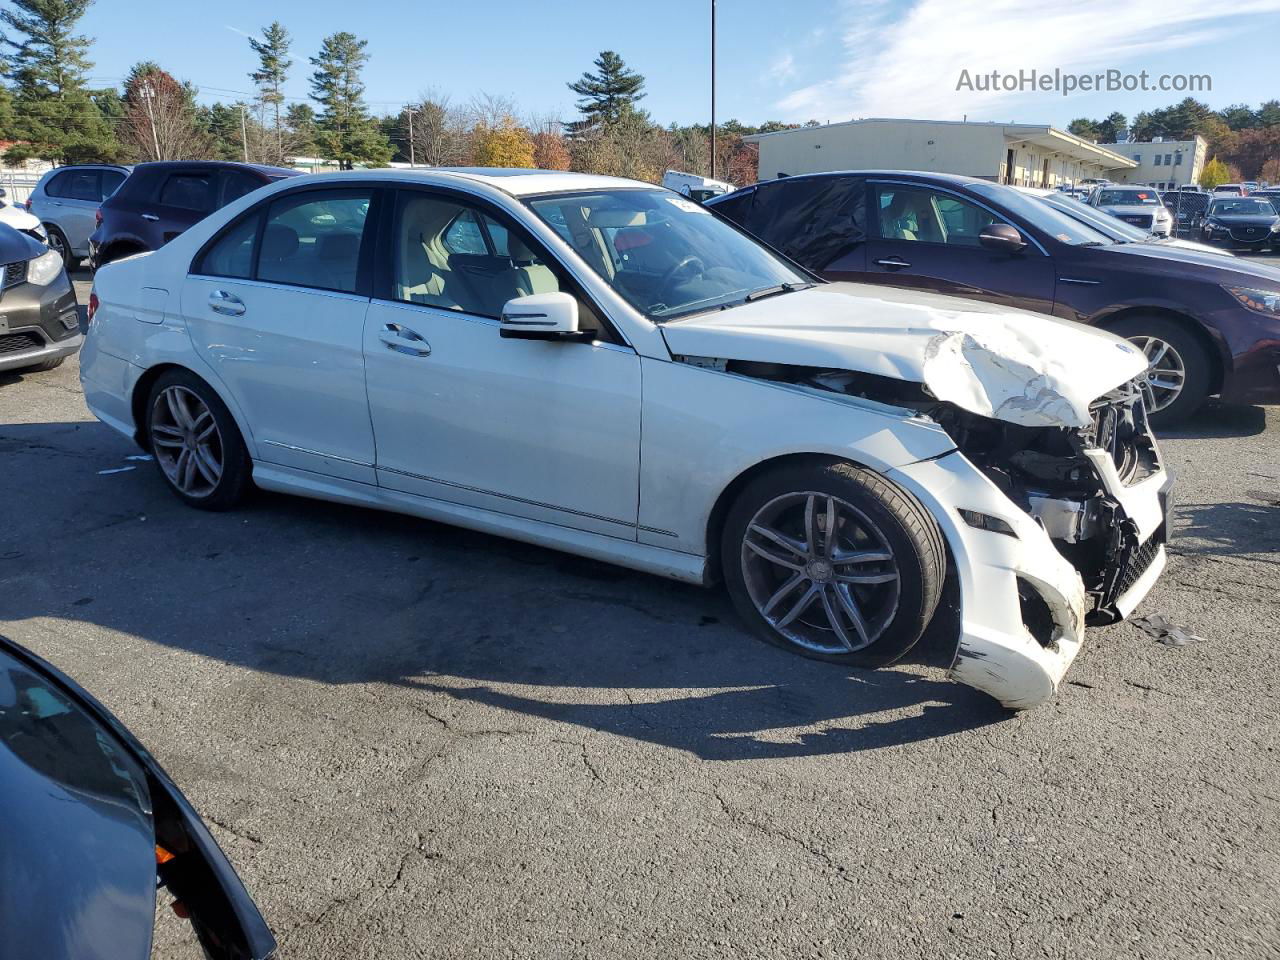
1137,221
14,274
1120,429
1140,561
1249,234
19,343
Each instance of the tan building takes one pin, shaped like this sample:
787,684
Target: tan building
1164,164
1031,155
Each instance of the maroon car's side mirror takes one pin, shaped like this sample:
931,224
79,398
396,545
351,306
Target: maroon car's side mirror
1002,237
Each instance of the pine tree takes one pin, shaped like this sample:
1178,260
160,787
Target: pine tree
53,112
607,92
273,70
346,133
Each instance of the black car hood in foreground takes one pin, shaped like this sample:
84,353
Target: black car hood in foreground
17,247
83,815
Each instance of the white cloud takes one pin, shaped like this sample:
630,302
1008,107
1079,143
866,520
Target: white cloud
907,64
782,68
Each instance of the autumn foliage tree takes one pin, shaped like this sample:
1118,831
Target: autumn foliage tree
160,120
505,144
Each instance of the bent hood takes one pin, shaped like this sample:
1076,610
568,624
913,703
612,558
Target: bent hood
1012,365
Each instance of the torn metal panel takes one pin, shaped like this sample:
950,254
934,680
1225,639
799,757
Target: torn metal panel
1011,365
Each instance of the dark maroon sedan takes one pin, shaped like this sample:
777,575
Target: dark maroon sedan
1208,324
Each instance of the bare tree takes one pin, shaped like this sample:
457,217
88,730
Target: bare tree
439,131
160,117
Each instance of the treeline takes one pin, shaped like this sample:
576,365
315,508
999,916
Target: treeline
48,111
1246,141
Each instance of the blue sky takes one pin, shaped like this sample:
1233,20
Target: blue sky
794,61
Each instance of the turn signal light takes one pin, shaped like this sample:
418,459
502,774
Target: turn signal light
162,855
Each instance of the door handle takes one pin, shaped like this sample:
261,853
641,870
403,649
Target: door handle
150,216
893,263
403,340
226,303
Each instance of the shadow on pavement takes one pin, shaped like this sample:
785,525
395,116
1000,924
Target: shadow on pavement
342,595
1216,420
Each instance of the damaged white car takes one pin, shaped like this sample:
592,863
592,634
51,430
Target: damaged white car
604,367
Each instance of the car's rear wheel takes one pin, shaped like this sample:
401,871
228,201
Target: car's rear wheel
833,562
1178,372
196,443
58,243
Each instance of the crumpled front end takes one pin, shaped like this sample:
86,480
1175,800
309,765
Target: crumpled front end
1050,529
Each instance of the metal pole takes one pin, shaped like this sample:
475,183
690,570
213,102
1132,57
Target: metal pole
412,160
713,89
244,134
147,94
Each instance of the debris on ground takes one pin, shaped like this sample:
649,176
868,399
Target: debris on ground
1170,634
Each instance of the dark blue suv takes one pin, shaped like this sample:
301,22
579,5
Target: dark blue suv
161,200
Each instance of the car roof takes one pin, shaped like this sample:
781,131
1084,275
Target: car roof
217,164
516,181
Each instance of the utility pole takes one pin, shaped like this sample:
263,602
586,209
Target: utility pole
713,89
244,133
412,162
147,93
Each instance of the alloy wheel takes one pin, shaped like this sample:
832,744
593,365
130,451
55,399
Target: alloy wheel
1166,372
186,441
57,245
820,572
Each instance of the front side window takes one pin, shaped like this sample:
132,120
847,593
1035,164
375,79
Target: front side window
313,239
452,256
664,254
188,191
235,184
917,213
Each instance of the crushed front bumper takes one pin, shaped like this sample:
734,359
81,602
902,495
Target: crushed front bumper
1023,606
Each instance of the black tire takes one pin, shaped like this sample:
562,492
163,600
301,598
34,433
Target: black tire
1195,360
58,241
902,525
43,365
235,478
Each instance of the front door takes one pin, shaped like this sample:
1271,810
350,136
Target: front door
546,431
927,239
277,307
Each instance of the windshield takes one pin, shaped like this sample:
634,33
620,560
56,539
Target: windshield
1128,198
1052,221
665,255
1242,207
1104,222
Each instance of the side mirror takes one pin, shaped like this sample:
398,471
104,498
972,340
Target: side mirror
542,316
1002,238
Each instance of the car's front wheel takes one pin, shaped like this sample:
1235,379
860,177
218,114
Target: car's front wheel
196,443
1178,374
833,562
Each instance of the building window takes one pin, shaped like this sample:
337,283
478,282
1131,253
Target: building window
1177,159
1137,158
1168,159
1157,160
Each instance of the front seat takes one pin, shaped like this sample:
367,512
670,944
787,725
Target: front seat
898,220
531,275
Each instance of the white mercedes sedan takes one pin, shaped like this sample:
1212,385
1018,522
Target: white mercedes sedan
604,367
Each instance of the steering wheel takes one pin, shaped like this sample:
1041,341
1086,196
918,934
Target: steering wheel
685,265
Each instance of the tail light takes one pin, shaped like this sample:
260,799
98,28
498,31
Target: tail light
97,217
27,203
93,306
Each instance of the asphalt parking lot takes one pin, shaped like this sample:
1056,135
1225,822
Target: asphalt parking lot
416,741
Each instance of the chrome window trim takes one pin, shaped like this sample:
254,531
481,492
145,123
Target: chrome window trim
280,285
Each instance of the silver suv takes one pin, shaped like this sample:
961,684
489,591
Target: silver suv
66,201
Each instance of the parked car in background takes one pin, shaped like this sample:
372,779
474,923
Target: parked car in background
92,826
693,186
161,200
39,325
66,202
1230,190
837,447
1187,207
1139,206
1241,223
1209,324
1113,227
18,218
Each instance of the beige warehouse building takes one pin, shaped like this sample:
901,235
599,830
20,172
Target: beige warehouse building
1164,164
1030,155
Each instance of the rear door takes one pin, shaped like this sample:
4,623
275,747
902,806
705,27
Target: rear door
276,305
926,238
820,222
184,197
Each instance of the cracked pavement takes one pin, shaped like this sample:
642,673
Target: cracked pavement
415,741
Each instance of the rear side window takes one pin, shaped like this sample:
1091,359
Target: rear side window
111,180
235,184
188,191
57,185
313,239
816,221
232,254
736,207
